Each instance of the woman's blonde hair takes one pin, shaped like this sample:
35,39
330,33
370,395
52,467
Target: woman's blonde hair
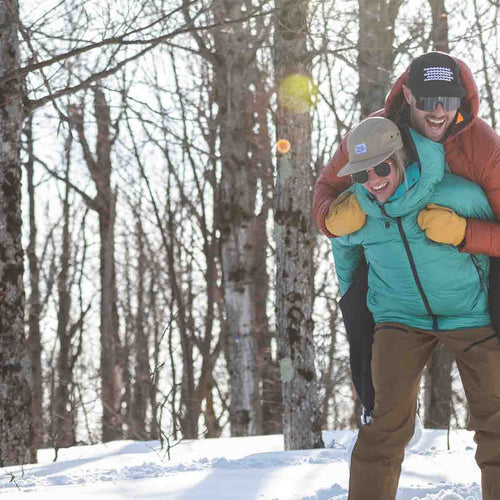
400,158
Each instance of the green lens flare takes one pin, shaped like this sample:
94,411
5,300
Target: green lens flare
298,93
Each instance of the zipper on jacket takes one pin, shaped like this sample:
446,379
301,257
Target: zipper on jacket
479,272
414,269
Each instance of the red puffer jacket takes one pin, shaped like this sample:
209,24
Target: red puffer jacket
472,151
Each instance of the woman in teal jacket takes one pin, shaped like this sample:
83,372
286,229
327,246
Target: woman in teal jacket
419,293
412,280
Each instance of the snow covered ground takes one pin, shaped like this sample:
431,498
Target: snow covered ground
238,469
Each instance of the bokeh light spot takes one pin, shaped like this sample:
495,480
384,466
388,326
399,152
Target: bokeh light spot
283,146
298,93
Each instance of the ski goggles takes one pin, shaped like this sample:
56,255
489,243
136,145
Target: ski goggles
382,170
431,103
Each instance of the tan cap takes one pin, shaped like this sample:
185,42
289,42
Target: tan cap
370,143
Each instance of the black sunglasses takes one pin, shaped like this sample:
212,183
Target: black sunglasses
382,170
431,103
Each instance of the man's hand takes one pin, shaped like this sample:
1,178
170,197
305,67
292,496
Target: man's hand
345,215
442,225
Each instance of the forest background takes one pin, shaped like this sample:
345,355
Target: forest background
167,280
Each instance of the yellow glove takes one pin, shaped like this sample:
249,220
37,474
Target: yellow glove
442,224
345,215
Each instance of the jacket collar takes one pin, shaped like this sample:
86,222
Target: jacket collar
430,157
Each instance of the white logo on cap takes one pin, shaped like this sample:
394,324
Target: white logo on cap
360,148
438,73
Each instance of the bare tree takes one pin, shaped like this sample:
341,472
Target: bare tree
62,424
34,300
294,239
490,99
141,388
15,391
375,51
233,69
104,203
439,32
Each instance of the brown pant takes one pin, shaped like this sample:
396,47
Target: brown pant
399,355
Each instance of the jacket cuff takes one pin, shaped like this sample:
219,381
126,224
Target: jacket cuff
479,238
321,222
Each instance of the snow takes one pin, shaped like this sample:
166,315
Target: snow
239,468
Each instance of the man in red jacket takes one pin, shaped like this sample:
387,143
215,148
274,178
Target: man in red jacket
423,98
438,97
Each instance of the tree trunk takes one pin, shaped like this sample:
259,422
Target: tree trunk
438,389
271,387
375,51
328,383
295,280
63,431
34,300
111,370
154,427
128,339
214,430
236,214
272,397
105,204
439,26
490,93
141,385
15,391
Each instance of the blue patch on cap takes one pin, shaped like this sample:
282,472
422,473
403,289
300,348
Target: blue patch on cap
360,148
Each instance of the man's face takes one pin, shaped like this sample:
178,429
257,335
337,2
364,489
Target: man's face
431,124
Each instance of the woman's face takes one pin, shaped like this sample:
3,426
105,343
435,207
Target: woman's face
382,188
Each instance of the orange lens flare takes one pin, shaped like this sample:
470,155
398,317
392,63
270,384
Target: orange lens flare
283,146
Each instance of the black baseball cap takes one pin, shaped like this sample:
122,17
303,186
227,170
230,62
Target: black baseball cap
435,74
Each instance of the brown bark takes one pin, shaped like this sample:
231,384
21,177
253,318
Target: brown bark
127,347
375,51
214,430
328,381
439,26
294,241
438,389
490,97
111,369
141,349
15,393
34,300
62,431
105,204
268,368
272,397
154,428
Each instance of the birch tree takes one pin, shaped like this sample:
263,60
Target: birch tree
235,71
15,391
293,233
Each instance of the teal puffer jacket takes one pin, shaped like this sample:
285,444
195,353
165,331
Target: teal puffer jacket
412,280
